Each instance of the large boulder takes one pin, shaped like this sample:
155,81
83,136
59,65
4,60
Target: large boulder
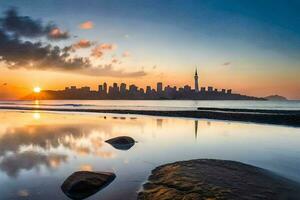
83,184
216,179
121,142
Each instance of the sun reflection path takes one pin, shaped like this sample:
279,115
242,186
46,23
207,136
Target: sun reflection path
37,103
36,116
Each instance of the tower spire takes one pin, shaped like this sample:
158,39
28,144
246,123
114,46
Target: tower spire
196,81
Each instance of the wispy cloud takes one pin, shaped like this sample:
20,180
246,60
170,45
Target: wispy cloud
57,34
226,63
126,54
107,46
99,50
83,43
87,25
114,60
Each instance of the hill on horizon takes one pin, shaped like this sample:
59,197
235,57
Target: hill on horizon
276,98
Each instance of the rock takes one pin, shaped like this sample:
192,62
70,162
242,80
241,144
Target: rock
276,98
83,184
216,179
121,142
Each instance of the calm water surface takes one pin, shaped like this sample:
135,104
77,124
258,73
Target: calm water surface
154,105
39,150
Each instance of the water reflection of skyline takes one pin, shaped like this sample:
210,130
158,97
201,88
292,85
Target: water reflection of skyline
34,144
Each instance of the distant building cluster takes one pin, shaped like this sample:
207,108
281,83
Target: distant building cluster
122,91
133,92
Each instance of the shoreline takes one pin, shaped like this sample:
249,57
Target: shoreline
285,117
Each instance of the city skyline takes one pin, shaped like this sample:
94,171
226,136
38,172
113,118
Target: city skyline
114,87
119,91
240,45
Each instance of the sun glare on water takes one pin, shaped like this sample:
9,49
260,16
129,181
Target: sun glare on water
36,89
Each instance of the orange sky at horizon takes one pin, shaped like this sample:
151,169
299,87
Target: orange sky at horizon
16,84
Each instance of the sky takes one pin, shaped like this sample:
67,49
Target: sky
252,47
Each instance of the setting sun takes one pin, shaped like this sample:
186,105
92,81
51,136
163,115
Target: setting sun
36,89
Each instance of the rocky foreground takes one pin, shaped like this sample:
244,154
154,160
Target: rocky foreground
216,179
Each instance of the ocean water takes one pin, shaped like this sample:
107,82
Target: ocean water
39,150
154,105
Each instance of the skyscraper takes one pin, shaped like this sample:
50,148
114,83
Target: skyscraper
115,88
105,87
148,90
196,81
100,88
159,87
123,88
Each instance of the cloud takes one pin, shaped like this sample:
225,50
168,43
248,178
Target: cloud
18,52
82,44
25,26
114,60
98,51
126,54
57,34
34,55
226,63
107,46
87,25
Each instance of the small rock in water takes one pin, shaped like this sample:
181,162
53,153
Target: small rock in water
121,143
83,184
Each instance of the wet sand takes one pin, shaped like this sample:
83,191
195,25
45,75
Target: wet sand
286,117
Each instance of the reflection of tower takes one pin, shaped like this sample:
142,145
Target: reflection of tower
159,123
196,81
196,129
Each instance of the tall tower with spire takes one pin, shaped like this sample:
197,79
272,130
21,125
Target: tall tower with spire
196,81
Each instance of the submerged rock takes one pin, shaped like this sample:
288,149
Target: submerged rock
83,184
121,142
216,179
